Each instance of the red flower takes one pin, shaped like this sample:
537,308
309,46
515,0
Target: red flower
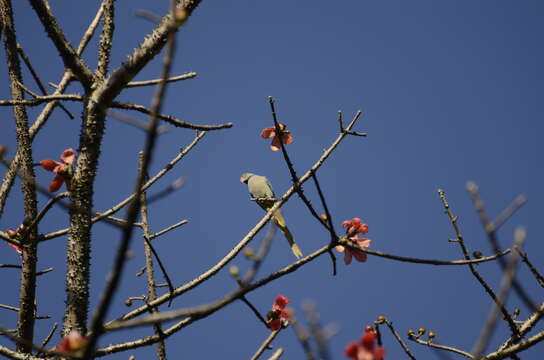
365,349
351,350
62,169
368,338
13,234
353,228
71,343
270,132
279,313
280,303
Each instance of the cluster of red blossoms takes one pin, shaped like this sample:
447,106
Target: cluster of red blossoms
270,133
279,313
366,348
354,228
62,168
72,344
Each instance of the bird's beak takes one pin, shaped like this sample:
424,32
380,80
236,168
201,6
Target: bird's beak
242,180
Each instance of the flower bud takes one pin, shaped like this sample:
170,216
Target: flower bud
249,253
234,271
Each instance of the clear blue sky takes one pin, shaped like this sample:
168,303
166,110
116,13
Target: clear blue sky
451,92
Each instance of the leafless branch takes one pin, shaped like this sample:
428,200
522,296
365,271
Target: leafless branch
491,231
460,241
506,283
28,64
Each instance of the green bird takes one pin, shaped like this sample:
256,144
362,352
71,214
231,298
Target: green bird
261,190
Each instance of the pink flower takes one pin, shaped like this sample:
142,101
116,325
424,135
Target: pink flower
71,343
62,169
351,350
13,234
279,313
270,132
354,228
366,349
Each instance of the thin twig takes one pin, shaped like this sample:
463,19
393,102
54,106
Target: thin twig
261,254
506,283
48,338
170,228
174,186
117,115
518,202
181,77
316,330
491,231
442,347
334,237
302,337
538,276
266,344
399,339
168,118
514,349
254,309
460,241
151,293
38,100
277,354
28,64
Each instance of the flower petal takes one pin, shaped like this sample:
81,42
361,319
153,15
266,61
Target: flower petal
286,314
368,339
287,138
49,164
362,229
280,303
18,249
347,257
268,132
379,353
339,248
363,242
359,255
275,146
351,350
274,324
56,183
68,156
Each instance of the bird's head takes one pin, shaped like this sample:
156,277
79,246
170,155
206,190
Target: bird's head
245,177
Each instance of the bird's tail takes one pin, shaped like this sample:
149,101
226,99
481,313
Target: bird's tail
280,221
